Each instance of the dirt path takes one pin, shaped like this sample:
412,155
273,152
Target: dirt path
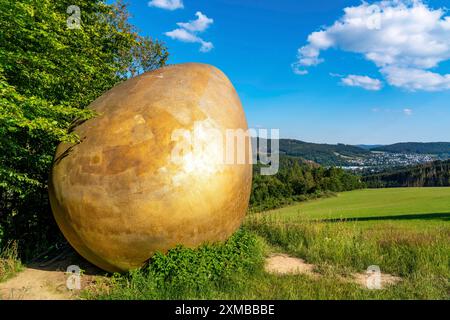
34,284
283,264
47,280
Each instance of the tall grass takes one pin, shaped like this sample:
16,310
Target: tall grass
207,272
234,270
421,258
9,261
417,250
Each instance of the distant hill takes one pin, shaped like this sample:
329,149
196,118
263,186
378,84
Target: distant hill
347,155
432,174
323,154
369,146
437,148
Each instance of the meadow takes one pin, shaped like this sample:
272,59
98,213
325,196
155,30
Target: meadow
405,231
420,208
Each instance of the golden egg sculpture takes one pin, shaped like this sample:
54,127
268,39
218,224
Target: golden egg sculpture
134,185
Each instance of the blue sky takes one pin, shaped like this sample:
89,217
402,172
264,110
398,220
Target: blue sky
391,85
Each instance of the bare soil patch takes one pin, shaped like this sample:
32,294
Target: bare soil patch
283,264
47,279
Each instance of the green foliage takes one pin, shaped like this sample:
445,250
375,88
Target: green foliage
433,174
190,273
298,180
48,75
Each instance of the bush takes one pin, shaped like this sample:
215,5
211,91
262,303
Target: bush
190,273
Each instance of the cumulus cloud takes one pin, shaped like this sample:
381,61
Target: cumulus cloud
365,82
186,36
403,38
167,4
199,25
188,31
416,79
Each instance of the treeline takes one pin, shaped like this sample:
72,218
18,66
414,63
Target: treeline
298,180
417,147
433,174
324,154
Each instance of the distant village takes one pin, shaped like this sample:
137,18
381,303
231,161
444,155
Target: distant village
378,160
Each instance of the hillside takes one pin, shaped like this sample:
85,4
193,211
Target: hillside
433,174
369,146
323,154
438,148
297,180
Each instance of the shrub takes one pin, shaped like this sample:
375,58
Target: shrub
190,273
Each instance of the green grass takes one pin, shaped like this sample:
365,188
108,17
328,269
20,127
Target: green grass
404,231
424,203
9,261
207,272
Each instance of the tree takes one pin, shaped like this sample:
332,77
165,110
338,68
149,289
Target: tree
298,180
49,73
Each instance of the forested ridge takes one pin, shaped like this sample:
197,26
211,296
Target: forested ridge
438,148
325,154
297,180
433,174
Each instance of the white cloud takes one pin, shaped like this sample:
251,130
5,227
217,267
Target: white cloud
407,112
403,38
189,30
167,4
416,79
201,24
365,82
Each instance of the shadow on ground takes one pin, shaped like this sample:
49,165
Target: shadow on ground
443,216
61,258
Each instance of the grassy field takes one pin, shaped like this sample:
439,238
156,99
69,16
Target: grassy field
406,232
375,205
